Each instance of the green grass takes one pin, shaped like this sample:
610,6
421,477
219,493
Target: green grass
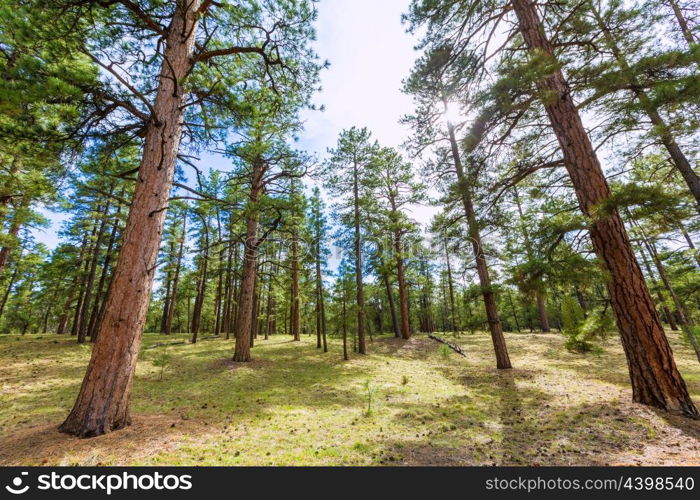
294,405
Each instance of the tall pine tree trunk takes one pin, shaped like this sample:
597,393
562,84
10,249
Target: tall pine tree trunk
357,243
103,402
296,300
244,318
655,378
168,283
489,297
201,288
403,292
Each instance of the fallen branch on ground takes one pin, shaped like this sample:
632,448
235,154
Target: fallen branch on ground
179,342
452,346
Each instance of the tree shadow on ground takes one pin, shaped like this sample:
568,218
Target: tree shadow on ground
517,425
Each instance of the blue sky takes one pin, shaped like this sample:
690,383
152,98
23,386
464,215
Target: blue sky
370,54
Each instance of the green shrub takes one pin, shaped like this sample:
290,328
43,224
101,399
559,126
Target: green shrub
445,351
161,360
580,329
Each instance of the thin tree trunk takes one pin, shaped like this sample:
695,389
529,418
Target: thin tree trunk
362,343
345,327
218,305
81,305
515,312
684,318
8,290
539,296
85,318
662,300
667,139
168,284
103,402
450,288
320,334
176,279
499,341
685,29
389,291
99,298
691,245
5,251
403,293
655,378
201,286
296,301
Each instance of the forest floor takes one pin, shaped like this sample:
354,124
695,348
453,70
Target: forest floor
294,405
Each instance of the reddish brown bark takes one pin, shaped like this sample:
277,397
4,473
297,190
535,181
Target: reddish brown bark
655,378
244,318
103,402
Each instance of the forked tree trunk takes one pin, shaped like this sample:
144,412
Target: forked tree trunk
201,288
99,297
103,402
499,341
168,284
655,378
81,284
392,305
389,291
83,328
176,279
450,288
